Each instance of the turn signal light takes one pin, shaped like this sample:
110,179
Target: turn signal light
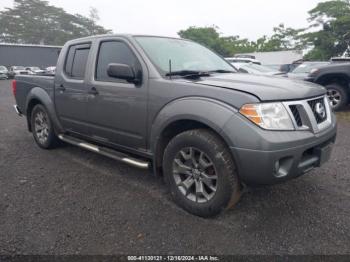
250,112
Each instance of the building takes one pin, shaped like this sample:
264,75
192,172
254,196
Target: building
28,55
277,57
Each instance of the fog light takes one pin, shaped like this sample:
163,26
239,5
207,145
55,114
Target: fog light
277,166
283,166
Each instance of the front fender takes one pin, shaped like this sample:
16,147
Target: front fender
39,94
207,111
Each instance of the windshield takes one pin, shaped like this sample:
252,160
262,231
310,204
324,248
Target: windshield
18,68
307,67
34,68
2,68
184,55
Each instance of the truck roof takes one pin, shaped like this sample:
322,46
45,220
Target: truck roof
117,35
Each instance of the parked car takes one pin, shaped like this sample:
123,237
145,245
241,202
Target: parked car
242,60
34,70
304,69
336,78
340,59
287,68
274,67
245,56
51,70
255,69
17,70
3,72
176,106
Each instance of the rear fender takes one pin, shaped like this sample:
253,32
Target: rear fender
40,95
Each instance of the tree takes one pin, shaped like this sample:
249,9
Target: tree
210,37
37,22
332,19
282,39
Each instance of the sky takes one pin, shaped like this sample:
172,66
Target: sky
247,18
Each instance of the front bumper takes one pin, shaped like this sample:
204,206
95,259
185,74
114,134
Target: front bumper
271,167
270,157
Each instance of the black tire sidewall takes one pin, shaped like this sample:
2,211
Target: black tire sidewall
344,96
224,187
49,143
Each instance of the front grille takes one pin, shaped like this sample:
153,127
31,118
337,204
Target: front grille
296,114
313,104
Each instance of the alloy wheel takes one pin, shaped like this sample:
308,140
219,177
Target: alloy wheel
41,126
334,97
195,175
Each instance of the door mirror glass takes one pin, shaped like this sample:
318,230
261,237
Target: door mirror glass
121,71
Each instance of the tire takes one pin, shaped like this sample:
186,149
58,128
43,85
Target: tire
337,96
215,170
42,128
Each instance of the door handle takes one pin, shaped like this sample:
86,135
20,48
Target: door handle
61,88
93,91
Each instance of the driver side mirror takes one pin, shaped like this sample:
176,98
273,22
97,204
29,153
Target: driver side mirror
122,71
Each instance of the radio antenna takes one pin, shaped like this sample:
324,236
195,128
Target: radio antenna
170,68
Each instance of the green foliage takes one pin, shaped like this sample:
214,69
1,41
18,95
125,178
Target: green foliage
210,37
332,19
37,22
328,35
282,39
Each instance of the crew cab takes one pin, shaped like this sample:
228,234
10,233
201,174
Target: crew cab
174,105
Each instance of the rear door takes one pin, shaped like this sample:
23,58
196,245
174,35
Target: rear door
71,92
118,109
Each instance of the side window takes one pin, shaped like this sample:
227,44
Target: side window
76,61
114,52
79,62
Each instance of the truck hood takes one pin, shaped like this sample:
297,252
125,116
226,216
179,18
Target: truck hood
266,88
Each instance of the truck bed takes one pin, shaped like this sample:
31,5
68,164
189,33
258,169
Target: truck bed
25,83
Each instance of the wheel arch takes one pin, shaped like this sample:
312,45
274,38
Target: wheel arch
185,115
37,96
340,78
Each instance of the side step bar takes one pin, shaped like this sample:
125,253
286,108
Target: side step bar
105,152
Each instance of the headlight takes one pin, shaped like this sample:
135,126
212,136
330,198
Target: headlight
271,116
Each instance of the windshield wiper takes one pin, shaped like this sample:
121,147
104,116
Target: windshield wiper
188,73
221,71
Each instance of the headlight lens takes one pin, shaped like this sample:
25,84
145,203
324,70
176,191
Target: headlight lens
271,116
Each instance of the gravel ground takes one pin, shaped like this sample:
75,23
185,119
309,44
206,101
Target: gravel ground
70,201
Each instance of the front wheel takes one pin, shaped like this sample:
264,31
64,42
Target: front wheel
43,132
201,173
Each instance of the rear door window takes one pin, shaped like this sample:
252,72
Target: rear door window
76,61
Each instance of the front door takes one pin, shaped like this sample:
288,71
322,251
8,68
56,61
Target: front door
117,109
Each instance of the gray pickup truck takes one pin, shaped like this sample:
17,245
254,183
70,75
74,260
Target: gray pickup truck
175,106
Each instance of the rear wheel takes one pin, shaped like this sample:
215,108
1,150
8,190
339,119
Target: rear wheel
42,128
200,172
337,95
